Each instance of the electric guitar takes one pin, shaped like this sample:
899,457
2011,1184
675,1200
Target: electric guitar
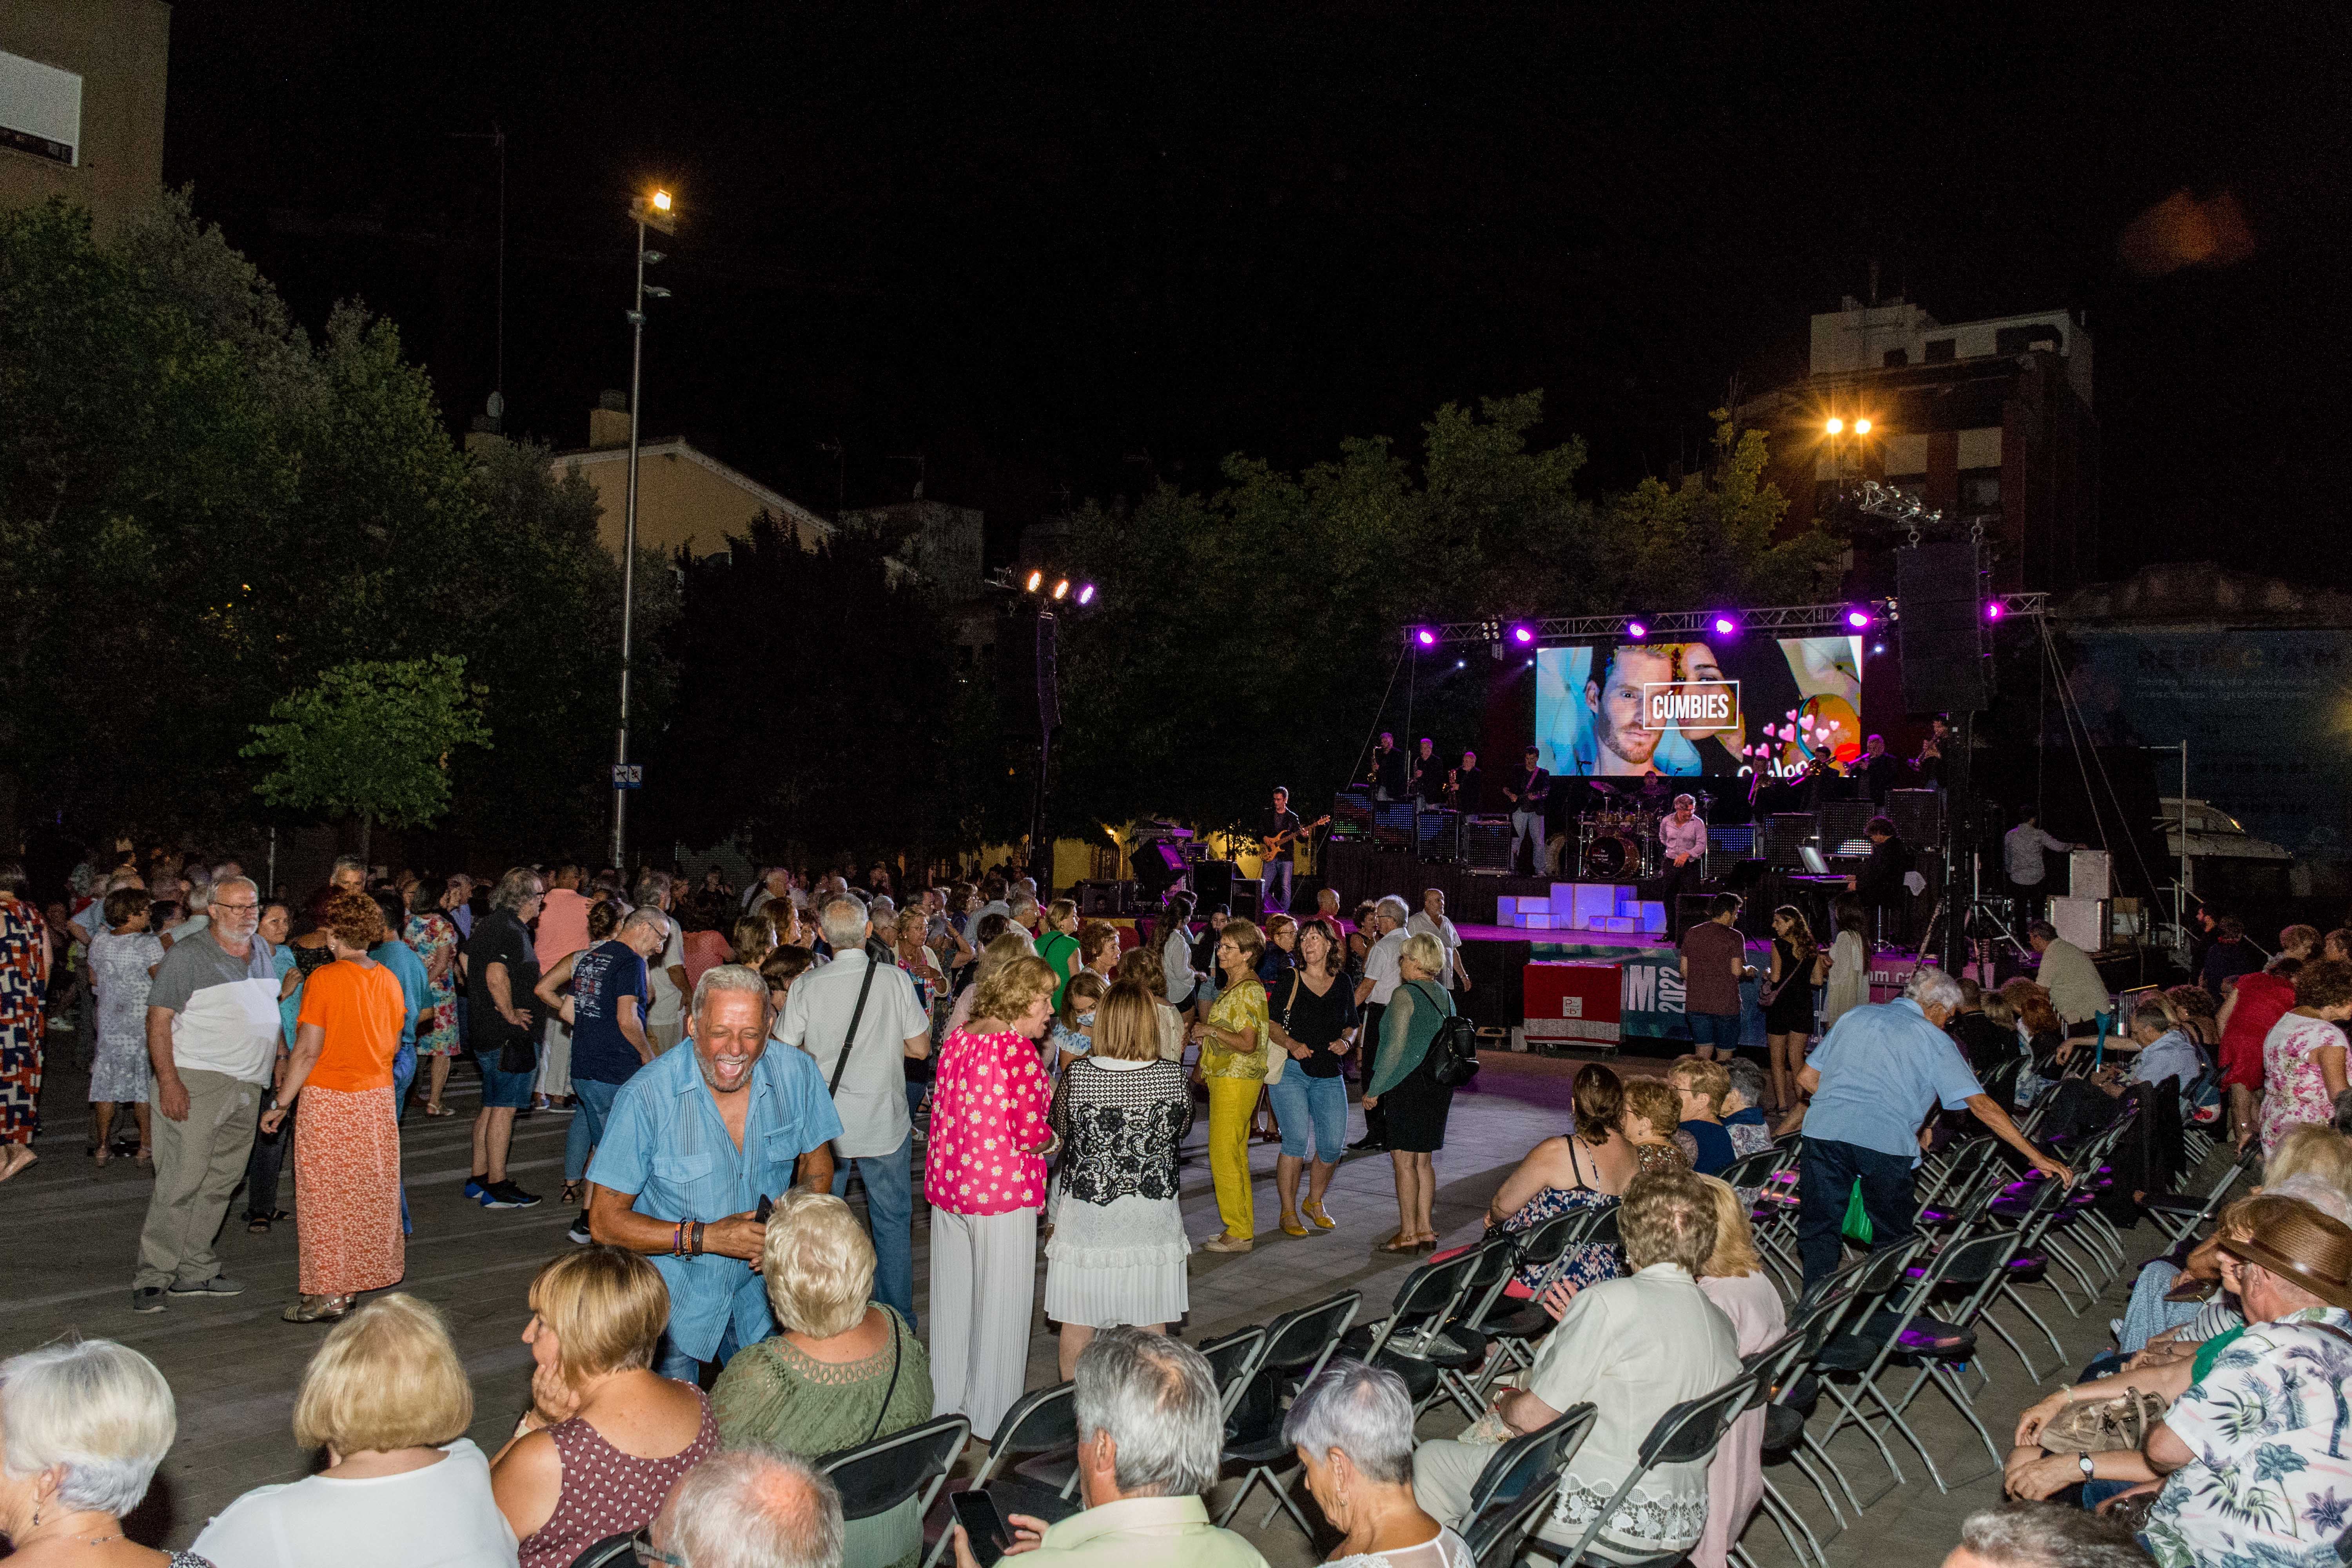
1276,843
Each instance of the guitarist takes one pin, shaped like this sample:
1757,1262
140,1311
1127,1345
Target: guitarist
1277,833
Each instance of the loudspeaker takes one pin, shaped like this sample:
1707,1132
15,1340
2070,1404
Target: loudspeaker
1248,899
1213,884
1099,899
1158,865
1943,633
1917,815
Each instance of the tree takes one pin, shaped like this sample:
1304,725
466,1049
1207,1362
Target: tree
372,739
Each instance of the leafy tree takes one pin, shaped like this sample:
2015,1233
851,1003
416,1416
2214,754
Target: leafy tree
372,739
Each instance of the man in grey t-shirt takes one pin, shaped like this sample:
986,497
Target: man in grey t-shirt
213,1039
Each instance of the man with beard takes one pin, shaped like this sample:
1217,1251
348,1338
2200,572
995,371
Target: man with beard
1614,701
695,1140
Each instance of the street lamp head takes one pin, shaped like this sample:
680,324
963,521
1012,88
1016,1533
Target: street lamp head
1862,426
1835,425
661,201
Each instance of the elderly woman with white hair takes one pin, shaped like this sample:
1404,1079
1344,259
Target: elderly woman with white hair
83,1425
844,1370
1883,1068
1414,1102
738,1509
1353,1426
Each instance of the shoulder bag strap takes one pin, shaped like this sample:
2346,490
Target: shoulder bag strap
898,1358
850,1038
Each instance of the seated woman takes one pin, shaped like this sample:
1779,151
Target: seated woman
842,1369
1743,1107
1352,1428
1636,1348
1588,1168
1700,1083
1734,1281
387,1399
1652,1125
606,1437
83,1424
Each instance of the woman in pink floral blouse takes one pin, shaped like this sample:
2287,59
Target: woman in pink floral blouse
984,1176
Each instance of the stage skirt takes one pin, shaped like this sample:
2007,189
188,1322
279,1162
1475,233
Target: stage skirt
347,1192
1120,1262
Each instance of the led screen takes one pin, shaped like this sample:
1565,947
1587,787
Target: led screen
1726,707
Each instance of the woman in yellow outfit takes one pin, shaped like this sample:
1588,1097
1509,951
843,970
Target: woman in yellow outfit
1235,1051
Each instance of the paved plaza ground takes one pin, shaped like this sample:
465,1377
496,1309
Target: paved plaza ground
69,1232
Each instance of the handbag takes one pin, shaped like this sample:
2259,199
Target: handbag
1277,1059
1453,1053
2103,1425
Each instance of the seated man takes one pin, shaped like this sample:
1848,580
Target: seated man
2042,1535
2159,1049
750,1506
2253,1452
1150,1439
1635,1347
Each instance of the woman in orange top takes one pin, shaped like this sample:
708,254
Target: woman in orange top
347,1144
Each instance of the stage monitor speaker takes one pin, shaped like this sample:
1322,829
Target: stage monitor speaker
1943,633
1212,885
1099,899
1785,833
1158,865
1845,827
1248,899
1353,807
1486,844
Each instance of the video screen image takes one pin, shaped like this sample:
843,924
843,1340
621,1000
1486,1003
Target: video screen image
1729,707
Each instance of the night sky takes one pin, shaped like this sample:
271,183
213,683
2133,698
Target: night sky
1056,251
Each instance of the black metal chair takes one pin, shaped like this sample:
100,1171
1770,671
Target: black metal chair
1040,1423
1402,1340
613,1552
1229,1359
1514,1333
875,1478
1497,1541
1295,1348
1526,1461
1685,1434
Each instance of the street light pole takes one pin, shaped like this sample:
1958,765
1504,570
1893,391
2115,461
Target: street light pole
657,212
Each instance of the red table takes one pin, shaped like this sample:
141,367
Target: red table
1574,1002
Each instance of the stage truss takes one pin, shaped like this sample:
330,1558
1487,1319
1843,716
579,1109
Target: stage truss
1692,624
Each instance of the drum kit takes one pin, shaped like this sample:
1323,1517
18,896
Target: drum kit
1619,842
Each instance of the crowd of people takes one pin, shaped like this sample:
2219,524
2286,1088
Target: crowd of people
730,1062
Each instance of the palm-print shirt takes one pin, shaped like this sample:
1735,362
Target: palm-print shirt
2271,1486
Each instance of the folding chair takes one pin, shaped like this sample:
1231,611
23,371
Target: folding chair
1293,1349
1229,1360
1498,1259
875,1478
1685,1434
1525,1461
1513,1327
1496,1541
2179,1217
1044,1421
613,1552
1975,1261
1870,1284
1404,1340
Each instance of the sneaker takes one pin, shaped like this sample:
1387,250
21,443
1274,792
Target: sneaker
578,1235
476,1185
219,1285
506,1195
147,1298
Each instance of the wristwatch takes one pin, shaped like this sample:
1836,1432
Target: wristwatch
2090,1470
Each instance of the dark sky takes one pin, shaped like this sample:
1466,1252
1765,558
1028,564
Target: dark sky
1035,244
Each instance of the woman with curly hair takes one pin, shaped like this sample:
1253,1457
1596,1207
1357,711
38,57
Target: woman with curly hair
347,1142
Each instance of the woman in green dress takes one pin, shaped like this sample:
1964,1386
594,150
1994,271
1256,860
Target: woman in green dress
843,1371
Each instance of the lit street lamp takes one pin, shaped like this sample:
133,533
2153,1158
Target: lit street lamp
650,212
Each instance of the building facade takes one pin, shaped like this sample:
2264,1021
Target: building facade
1989,422
81,104
687,500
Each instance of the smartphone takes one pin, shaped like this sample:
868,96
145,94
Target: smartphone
976,1511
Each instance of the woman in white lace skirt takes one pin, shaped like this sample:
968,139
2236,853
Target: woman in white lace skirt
1119,1251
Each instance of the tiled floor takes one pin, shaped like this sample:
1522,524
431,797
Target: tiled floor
69,1232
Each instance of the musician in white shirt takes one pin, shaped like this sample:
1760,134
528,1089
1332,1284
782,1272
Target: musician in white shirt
1681,833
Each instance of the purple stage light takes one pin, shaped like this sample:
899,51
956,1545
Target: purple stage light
1636,629
1522,634
1992,609
1724,626
1086,594
1427,639
1857,619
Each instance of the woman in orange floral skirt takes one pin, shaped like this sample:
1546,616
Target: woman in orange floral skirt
347,1144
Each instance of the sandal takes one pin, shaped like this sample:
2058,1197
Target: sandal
317,1310
1399,1243
433,1109
1313,1210
101,1154
571,1193
259,1223
1290,1225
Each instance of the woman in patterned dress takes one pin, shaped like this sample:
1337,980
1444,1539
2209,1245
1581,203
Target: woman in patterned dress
2303,1056
434,936
122,959
984,1176
346,1143
24,982
1589,1168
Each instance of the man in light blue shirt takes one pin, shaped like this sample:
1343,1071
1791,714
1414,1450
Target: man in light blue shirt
1874,1081
695,1141
2159,1051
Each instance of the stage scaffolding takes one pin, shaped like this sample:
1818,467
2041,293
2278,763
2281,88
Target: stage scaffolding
1693,624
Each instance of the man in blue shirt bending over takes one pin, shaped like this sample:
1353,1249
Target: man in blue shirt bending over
695,1141
1874,1081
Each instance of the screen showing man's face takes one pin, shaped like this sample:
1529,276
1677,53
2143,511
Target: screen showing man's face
1615,703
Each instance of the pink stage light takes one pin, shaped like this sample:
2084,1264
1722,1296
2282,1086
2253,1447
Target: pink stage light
1522,634
1992,609
1724,626
1857,619
1636,629
1426,637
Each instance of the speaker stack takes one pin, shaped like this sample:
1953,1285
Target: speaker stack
1945,641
